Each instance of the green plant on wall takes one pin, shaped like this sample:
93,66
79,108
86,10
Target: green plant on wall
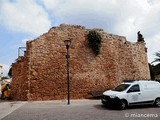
140,37
94,40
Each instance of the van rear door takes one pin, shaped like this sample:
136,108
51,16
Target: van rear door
149,92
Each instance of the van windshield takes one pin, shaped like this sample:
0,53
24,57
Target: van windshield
121,87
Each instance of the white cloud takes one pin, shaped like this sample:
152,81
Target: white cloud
23,42
122,17
151,22
85,12
24,16
151,29
153,43
115,16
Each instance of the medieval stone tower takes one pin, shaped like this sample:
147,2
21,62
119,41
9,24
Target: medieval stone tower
41,73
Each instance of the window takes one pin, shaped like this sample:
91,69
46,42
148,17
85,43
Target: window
121,87
134,88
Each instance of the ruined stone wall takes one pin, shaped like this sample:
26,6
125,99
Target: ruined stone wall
19,84
44,65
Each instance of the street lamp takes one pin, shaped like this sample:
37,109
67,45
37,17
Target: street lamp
68,43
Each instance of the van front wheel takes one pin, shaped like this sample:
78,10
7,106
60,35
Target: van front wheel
157,102
123,104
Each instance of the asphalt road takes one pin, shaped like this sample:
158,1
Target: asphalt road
77,110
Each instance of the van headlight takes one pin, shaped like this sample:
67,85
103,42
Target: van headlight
112,96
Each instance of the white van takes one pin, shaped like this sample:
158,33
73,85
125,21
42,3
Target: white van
133,93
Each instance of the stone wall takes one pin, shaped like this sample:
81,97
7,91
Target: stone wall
41,73
19,84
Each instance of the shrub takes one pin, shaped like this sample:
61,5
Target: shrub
94,40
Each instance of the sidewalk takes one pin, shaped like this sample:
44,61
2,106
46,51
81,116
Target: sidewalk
77,110
72,102
7,107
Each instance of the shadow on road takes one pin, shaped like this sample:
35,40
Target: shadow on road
141,107
100,107
103,107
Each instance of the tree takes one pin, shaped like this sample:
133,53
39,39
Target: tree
5,77
156,68
10,72
152,73
140,37
158,57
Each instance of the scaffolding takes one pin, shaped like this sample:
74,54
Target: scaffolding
21,51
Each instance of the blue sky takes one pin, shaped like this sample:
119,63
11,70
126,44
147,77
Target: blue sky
22,20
